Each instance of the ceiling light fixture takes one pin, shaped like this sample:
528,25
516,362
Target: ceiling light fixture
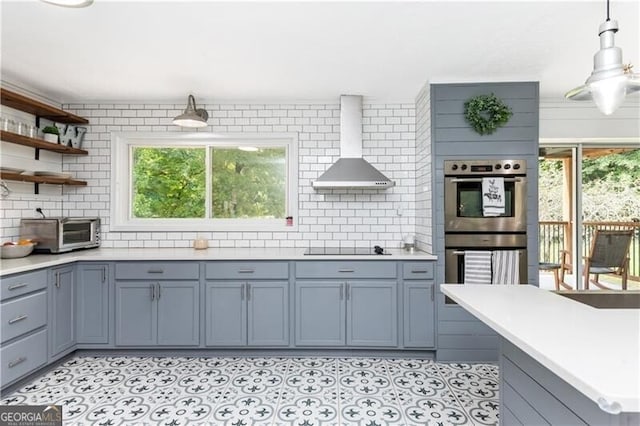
610,81
192,116
69,3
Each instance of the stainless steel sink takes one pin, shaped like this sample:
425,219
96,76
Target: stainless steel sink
605,299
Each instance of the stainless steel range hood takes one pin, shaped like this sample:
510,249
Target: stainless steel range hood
351,170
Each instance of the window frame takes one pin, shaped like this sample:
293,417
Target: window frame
121,185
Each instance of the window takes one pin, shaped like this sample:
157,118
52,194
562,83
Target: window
193,182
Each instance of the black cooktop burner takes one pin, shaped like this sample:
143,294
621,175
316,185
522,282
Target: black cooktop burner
346,251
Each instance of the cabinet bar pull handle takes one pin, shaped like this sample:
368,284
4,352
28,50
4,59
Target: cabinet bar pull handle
463,180
104,274
241,291
159,291
418,271
341,291
245,271
345,270
347,285
433,291
17,286
248,292
58,279
16,319
17,361
153,291
156,271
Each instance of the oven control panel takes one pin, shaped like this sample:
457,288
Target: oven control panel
484,167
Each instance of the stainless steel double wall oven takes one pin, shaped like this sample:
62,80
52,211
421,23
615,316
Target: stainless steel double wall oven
467,228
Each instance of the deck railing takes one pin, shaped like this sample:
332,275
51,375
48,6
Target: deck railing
553,239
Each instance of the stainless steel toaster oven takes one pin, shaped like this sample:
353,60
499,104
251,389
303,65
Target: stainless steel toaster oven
62,234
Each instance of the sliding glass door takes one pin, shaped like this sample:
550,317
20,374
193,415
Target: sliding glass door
585,187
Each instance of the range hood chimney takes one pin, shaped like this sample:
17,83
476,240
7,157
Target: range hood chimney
351,170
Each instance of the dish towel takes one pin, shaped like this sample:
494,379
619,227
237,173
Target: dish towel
492,196
506,267
477,267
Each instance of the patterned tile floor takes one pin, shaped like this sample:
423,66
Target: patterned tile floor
266,391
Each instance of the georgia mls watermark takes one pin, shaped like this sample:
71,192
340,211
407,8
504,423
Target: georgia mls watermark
30,415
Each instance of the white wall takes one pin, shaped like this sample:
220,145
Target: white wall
335,218
561,118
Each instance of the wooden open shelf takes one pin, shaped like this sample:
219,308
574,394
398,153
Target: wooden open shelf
39,109
51,180
40,144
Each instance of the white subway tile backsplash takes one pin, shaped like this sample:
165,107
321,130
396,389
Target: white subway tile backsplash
346,218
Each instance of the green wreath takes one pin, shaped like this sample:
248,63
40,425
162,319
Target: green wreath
486,113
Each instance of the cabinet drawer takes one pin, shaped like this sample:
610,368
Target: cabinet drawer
23,356
22,315
247,270
417,271
347,269
15,285
157,270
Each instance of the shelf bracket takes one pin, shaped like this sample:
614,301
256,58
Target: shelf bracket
36,188
37,156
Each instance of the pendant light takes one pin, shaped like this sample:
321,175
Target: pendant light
192,116
610,81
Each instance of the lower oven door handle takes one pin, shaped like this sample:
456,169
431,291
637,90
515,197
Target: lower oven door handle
462,180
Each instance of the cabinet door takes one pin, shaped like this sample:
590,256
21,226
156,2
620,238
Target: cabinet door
92,303
320,313
419,322
136,313
62,305
268,313
372,312
226,314
178,313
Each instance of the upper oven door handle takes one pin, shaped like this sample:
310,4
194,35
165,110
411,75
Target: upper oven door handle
457,180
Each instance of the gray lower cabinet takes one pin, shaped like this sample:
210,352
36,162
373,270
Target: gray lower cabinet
157,313
320,313
419,314
372,313
62,318
23,318
92,302
247,313
355,313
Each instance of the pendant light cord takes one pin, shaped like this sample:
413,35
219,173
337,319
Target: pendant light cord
608,11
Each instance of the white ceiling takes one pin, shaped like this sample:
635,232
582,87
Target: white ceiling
279,51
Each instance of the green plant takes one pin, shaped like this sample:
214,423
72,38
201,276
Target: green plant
51,129
486,113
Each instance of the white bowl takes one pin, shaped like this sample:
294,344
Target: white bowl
12,252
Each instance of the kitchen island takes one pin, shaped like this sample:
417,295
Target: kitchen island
561,361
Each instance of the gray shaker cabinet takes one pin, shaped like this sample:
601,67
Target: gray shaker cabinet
157,303
157,313
419,304
92,302
320,313
372,312
253,313
61,310
136,313
355,313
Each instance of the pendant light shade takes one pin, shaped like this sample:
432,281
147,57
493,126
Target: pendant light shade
192,116
610,81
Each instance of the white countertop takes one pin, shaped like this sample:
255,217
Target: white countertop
35,261
597,351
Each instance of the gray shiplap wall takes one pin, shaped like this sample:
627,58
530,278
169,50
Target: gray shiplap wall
461,337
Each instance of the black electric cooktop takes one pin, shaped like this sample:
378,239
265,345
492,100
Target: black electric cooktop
346,251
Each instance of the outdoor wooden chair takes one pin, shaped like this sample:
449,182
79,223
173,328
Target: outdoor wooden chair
608,255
